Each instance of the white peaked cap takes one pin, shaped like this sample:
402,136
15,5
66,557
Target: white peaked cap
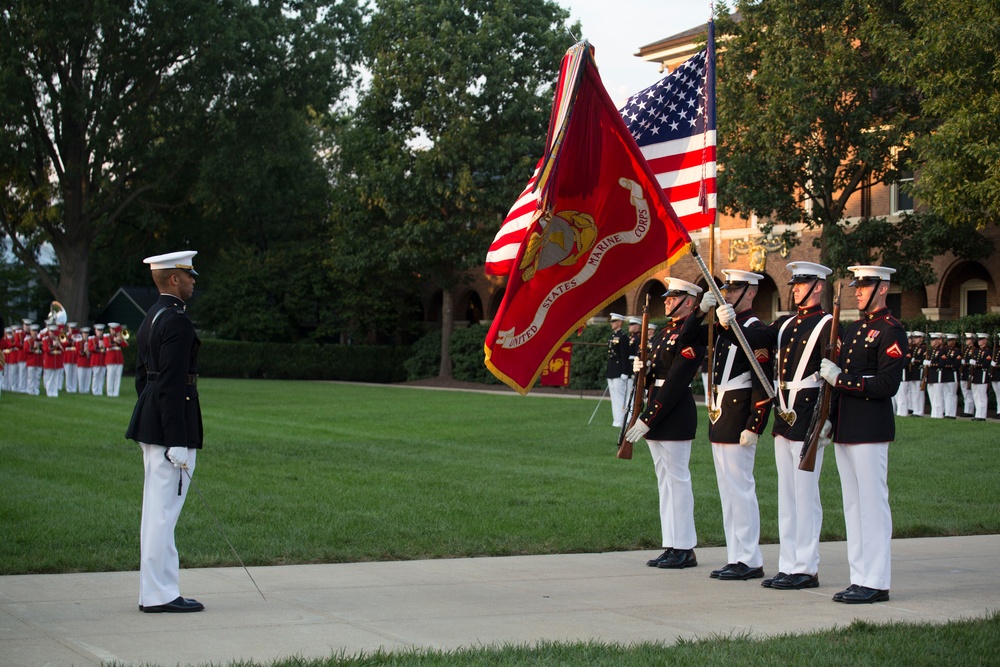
676,287
616,316
737,276
806,271
865,274
183,260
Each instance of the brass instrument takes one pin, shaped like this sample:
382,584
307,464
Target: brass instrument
57,314
126,334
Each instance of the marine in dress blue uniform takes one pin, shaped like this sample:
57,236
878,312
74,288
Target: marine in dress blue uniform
618,369
915,374
864,380
166,422
799,341
979,375
670,420
738,411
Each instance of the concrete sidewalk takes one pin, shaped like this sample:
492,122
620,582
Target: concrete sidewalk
315,611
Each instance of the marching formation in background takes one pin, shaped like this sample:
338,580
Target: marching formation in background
62,356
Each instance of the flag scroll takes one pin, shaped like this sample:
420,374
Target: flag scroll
601,225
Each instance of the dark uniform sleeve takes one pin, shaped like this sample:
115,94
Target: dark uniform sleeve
760,402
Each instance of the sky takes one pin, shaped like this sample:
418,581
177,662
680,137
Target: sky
617,28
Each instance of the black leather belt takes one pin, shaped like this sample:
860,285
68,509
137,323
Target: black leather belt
191,379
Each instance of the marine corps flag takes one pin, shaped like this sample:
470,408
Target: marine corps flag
602,225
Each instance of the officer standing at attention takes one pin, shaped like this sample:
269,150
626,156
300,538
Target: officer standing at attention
800,341
738,413
979,375
670,420
618,369
167,425
915,373
864,381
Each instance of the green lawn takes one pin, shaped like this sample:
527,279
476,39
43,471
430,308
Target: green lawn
302,472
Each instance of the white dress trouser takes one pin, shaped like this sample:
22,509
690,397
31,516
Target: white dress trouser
800,512
935,392
673,479
71,376
950,392
996,394
917,398
50,379
901,400
738,493
159,564
97,380
981,400
967,399
863,470
114,380
83,379
616,390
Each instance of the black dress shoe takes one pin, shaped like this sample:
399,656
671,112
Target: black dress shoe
742,572
839,597
768,583
680,559
794,582
865,595
714,574
179,606
654,562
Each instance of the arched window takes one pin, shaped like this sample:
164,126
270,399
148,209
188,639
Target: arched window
973,297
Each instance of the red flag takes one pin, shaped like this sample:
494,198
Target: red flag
604,226
556,371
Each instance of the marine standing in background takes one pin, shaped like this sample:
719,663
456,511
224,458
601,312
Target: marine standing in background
965,381
670,421
166,422
915,373
979,375
864,380
952,362
618,369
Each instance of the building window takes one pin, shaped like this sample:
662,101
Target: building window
902,200
973,298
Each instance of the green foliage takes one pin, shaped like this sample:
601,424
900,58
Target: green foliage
467,355
806,114
442,140
425,356
950,57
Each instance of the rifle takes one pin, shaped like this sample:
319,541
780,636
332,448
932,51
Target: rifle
807,457
638,388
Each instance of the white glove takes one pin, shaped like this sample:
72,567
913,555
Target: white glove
726,314
993,363
972,362
829,371
748,438
708,302
636,433
927,362
637,365
824,433
178,456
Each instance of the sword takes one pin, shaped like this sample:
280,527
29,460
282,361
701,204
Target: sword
218,527
598,404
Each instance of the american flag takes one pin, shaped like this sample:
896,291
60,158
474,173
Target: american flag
673,122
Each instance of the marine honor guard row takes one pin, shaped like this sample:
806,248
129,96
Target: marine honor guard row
864,375
62,356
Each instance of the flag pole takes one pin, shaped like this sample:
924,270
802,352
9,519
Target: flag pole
713,412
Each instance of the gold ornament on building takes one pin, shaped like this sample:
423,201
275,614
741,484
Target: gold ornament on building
758,248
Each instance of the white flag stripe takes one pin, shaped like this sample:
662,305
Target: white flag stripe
672,179
687,207
678,146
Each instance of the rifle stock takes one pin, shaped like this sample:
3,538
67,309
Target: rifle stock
639,389
810,448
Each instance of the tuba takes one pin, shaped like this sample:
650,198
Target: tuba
126,334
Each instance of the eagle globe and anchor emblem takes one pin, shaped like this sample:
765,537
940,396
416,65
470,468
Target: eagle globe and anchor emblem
567,236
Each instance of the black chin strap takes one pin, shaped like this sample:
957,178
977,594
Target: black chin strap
798,304
742,294
878,283
673,310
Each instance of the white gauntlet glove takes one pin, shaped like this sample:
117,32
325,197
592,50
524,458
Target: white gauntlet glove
726,314
178,456
927,362
829,371
637,366
824,433
748,438
636,433
708,302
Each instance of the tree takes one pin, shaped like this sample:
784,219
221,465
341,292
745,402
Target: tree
444,137
951,59
807,114
109,106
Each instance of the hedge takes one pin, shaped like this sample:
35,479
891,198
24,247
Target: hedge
350,363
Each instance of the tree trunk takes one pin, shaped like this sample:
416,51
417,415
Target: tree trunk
74,277
447,324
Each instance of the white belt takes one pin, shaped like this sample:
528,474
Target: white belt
658,383
738,382
811,382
